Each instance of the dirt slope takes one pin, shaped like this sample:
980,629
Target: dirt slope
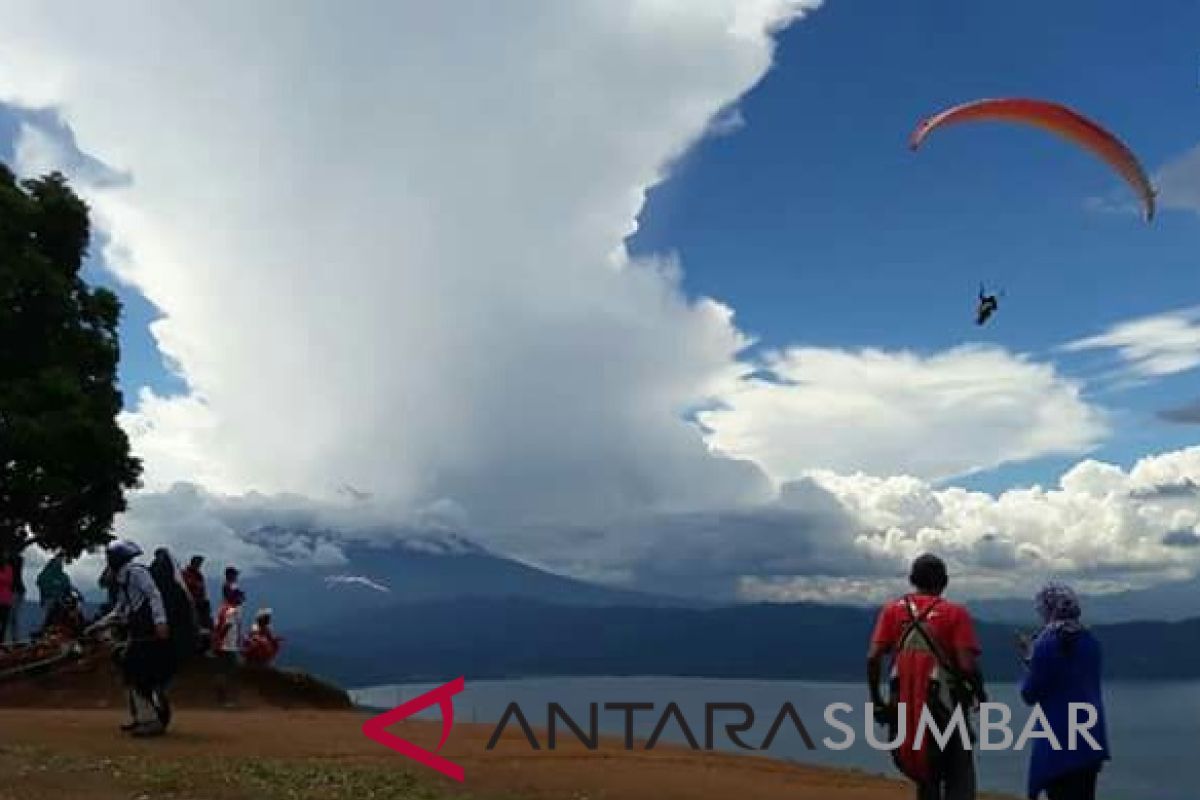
94,682
322,755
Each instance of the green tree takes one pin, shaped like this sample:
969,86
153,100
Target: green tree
65,463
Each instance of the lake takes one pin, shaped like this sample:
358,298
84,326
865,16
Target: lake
1153,727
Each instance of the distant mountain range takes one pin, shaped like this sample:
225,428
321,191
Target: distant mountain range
1168,602
410,569
516,637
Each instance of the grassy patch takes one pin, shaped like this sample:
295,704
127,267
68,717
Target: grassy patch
225,778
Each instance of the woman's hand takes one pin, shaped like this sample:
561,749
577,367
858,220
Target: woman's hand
1024,646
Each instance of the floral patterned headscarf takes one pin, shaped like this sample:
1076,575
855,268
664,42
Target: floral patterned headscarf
1058,606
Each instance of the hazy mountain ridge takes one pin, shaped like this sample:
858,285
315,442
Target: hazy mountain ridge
363,575
512,637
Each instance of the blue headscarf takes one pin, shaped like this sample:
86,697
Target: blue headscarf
1058,606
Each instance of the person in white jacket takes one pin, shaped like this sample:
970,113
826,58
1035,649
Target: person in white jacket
145,659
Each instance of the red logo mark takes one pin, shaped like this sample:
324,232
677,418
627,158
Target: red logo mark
375,728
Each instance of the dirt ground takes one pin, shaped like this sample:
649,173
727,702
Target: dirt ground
322,755
93,681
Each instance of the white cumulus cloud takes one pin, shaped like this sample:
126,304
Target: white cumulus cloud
889,413
1105,527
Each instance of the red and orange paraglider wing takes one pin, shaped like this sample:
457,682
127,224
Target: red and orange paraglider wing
1057,119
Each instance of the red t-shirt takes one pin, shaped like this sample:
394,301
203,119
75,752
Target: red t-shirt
950,624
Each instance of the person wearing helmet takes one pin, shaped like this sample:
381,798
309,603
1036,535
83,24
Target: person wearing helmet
146,659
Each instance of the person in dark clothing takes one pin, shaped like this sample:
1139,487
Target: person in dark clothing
18,588
193,578
108,583
54,586
986,307
1064,669
181,613
231,582
146,659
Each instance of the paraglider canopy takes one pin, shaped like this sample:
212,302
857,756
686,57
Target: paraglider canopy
1057,119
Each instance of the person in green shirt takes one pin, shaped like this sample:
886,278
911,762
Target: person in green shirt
53,584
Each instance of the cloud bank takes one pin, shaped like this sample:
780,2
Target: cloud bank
386,239
829,536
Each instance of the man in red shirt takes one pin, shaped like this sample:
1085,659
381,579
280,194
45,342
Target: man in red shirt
193,578
935,664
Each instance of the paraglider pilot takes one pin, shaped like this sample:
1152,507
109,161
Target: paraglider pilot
988,304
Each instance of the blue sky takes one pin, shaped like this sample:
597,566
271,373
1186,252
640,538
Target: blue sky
819,226
141,363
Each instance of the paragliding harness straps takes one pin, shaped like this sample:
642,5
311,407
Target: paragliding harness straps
916,623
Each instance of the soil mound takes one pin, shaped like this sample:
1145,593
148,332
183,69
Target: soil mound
94,681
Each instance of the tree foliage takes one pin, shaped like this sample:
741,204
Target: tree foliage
65,463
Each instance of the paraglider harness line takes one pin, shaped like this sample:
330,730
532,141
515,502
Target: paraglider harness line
916,623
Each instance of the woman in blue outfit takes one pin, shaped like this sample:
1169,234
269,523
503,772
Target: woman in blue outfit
1064,669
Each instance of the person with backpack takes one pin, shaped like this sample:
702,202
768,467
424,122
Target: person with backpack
1063,669
935,665
227,643
181,613
146,659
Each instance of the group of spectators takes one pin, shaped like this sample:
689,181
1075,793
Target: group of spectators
157,617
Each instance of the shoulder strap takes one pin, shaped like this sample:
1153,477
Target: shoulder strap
917,623
915,620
